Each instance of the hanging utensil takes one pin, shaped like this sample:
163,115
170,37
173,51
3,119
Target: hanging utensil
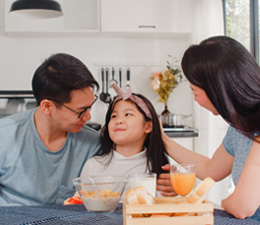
120,77
108,96
128,79
113,80
102,95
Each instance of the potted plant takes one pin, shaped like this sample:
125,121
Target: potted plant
163,83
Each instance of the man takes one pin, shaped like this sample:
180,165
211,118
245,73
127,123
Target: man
42,150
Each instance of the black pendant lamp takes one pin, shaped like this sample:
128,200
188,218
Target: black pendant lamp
36,8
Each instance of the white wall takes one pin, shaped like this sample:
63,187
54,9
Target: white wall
20,56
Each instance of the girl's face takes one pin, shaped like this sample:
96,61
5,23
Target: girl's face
127,124
201,97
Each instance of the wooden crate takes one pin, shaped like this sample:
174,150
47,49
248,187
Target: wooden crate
198,213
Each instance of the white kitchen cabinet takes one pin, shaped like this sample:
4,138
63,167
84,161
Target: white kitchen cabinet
93,16
185,142
163,16
79,16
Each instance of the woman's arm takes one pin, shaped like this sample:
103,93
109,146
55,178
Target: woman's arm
218,167
245,199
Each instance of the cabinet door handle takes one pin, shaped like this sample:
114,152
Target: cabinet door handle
147,26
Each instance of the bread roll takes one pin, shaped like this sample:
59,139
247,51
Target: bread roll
139,195
131,197
162,214
143,196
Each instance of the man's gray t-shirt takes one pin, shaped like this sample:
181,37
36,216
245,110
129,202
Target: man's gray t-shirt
32,175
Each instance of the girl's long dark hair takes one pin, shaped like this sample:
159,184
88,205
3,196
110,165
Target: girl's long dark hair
230,77
155,148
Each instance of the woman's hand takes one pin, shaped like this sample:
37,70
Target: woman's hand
164,182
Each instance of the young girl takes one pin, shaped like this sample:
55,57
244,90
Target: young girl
130,139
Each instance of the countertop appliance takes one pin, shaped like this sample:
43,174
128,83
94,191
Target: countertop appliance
16,101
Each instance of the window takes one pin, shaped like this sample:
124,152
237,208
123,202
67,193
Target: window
242,23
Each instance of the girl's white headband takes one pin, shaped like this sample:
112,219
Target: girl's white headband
128,95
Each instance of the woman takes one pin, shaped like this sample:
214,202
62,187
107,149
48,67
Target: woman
225,79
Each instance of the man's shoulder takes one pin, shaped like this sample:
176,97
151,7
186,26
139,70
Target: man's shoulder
15,118
86,136
89,132
88,139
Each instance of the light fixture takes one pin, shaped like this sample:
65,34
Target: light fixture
36,8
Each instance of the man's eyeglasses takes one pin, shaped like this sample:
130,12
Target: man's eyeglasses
72,110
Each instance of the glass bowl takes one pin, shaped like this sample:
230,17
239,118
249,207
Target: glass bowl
100,193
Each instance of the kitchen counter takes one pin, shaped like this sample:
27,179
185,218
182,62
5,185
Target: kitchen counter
181,132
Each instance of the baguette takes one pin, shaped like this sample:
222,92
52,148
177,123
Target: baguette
131,197
197,194
200,190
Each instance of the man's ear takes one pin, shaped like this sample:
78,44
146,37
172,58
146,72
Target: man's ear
46,106
148,126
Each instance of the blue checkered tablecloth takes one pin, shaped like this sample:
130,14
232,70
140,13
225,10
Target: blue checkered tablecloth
76,214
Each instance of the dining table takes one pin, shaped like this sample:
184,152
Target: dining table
77,214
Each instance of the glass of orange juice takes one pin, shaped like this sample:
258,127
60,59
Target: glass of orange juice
183,178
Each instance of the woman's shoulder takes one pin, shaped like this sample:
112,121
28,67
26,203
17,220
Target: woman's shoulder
233,133
234,140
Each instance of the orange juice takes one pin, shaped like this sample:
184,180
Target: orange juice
183,183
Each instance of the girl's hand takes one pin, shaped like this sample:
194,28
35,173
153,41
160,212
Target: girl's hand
164,182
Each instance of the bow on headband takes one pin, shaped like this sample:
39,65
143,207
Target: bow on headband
128,95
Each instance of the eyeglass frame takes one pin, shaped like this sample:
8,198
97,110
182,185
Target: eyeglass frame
72,110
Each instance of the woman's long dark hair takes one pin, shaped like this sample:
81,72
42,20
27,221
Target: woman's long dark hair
230,77
155,148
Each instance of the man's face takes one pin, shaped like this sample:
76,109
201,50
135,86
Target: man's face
68,116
